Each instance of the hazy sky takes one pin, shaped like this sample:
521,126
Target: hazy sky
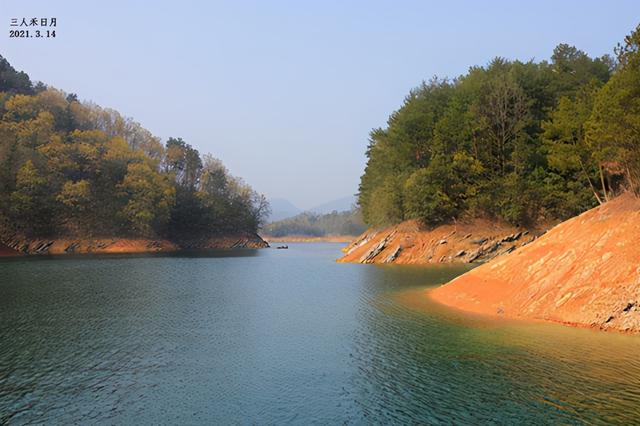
285,93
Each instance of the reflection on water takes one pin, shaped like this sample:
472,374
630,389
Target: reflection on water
276,336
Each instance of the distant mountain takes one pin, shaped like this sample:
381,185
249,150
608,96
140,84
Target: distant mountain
282,209
339,205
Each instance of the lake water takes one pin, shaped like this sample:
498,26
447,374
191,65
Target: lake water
286,336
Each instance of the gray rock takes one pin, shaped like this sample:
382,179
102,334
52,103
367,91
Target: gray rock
474,256
376,250
509,250
490,248
394,255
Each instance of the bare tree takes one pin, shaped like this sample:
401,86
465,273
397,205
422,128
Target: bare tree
503,112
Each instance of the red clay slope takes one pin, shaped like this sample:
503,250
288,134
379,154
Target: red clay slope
583,272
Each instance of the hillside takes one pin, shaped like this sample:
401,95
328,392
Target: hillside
524,143
74,174
281,209
585,272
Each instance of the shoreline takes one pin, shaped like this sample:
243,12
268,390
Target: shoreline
470,241
495,316
16,246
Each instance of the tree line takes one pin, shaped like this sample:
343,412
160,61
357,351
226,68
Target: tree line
76,169
318,225
519,141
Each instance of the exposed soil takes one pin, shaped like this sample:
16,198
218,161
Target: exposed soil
471,241
7,251
17,245
583,272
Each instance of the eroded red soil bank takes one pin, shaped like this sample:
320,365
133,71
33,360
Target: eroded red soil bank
583,272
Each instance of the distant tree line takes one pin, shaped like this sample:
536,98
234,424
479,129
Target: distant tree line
519,141
316,225
72,168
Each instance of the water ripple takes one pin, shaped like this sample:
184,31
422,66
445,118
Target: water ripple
286,337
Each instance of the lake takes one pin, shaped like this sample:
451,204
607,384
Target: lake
286,336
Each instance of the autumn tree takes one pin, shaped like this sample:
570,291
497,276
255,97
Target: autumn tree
74,168
31,202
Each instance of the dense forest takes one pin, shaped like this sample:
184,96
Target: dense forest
317,225
76,169
520,141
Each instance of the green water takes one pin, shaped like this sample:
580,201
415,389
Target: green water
286,336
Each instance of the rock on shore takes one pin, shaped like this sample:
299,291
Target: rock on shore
465,242
16,245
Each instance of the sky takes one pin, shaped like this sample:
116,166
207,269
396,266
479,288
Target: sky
285,93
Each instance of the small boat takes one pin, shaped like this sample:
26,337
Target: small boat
282,247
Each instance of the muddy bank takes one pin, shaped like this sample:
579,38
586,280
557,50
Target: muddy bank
16,245
466,242
583,272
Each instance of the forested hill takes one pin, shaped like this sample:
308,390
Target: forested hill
310,224
76,169
519,141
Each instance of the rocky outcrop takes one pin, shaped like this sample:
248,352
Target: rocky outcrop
584,272
467,242
20,245
47,246
393,255
370,255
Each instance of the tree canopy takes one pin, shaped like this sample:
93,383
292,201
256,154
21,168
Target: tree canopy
519,141
72,168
